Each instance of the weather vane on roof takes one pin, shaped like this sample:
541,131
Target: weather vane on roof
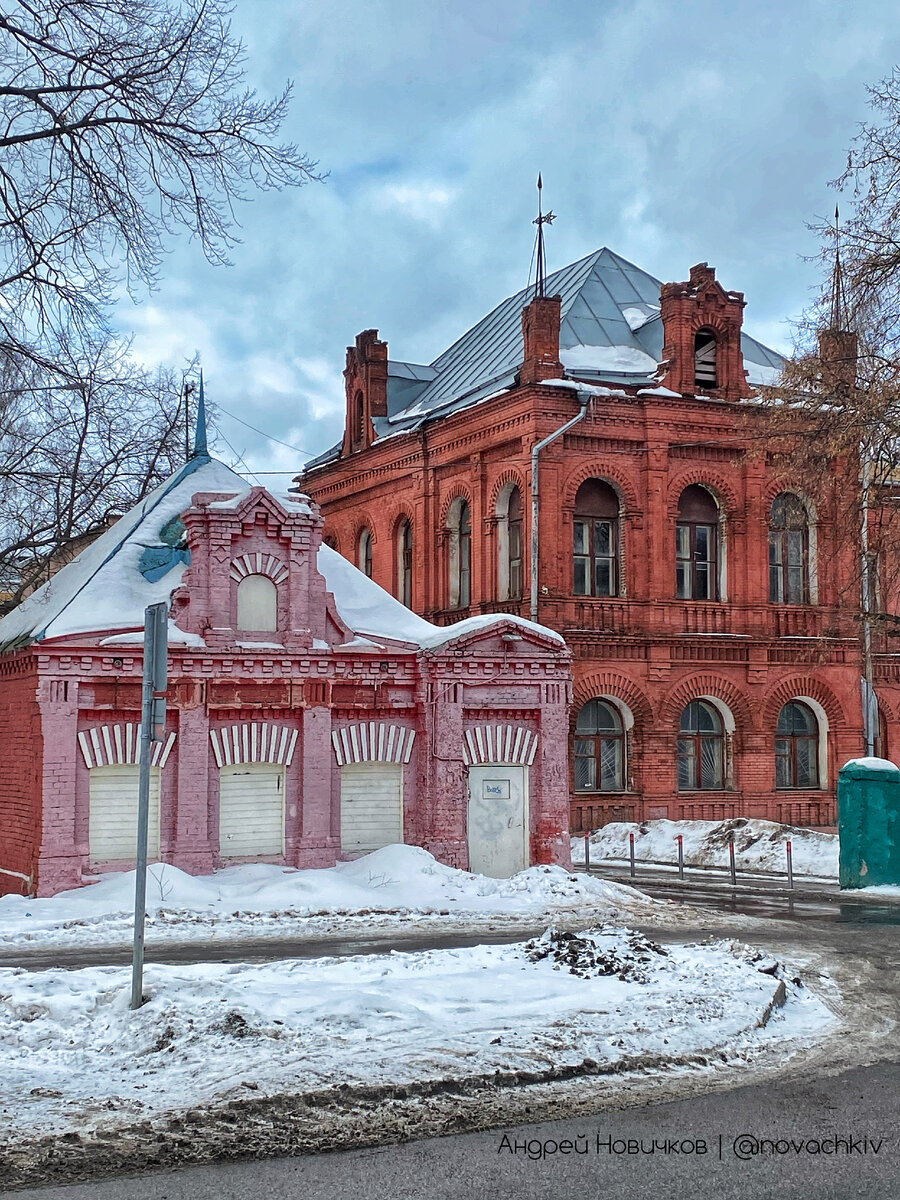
541,220
840,316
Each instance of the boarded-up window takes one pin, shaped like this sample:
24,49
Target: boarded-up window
257,604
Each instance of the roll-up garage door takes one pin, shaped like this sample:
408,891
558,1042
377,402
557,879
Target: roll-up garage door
251,810
113,812
371,806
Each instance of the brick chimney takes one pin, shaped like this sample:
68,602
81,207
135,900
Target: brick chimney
702,337
540,333
839,356
365,385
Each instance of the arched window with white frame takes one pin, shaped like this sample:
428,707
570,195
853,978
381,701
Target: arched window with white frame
510,543
789,551
797,747
459,554
595,529
701,748
600,748
405,563
364,553
698,548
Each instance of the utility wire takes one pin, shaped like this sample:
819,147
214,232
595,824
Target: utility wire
262,433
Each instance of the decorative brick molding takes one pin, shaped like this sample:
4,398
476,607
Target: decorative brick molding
500,744
253,742
119,745
259,564
372,741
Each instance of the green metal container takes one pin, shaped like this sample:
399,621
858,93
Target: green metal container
869,823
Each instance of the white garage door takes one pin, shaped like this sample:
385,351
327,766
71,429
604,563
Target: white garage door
371,806
113,813
251,810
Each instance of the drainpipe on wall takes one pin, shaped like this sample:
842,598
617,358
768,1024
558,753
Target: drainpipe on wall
584,397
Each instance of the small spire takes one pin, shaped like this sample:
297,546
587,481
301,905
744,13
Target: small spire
840,319
200,446
541,220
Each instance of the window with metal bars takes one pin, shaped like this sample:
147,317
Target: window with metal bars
701,748
599,749
796,747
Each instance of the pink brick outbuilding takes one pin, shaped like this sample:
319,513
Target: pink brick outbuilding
347,676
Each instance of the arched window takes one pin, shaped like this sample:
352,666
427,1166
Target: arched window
599,749
257,604
596,540
701,748
364,561
705,367
405,563
697,545
788,551
514,543
797,747
459,549
359,432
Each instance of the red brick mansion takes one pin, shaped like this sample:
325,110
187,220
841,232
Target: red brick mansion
583,457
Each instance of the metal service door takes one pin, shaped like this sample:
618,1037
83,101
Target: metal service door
498,820
112,822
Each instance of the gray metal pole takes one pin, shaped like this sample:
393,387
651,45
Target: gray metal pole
152,729
790,866
680,840
631,853
583,397
587,851
140,882
731,858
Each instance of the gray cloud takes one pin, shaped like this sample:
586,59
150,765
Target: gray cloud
673,133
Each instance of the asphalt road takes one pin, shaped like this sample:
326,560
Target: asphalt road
823,1136
847,1087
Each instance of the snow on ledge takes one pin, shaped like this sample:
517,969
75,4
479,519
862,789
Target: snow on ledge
872,764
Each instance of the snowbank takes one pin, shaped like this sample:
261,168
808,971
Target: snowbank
258,898
758,845
74,1054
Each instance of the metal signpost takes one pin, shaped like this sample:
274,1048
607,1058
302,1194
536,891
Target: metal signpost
153,724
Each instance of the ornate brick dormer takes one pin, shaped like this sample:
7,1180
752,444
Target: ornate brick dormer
702,337
253,574
365,384
540,334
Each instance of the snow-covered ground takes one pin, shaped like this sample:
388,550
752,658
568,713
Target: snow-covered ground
75,1057
392,887
758,845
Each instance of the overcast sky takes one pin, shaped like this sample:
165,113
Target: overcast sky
672,131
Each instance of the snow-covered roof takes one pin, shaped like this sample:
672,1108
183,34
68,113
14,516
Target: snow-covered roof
104,588
140,560
610,330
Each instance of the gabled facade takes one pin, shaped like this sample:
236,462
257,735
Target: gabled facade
717,672
310,716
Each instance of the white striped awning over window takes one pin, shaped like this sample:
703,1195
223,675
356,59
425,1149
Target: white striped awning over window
117,745
500,744
253,742
373,741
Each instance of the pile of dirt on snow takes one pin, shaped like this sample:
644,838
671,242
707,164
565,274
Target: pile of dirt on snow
626,954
